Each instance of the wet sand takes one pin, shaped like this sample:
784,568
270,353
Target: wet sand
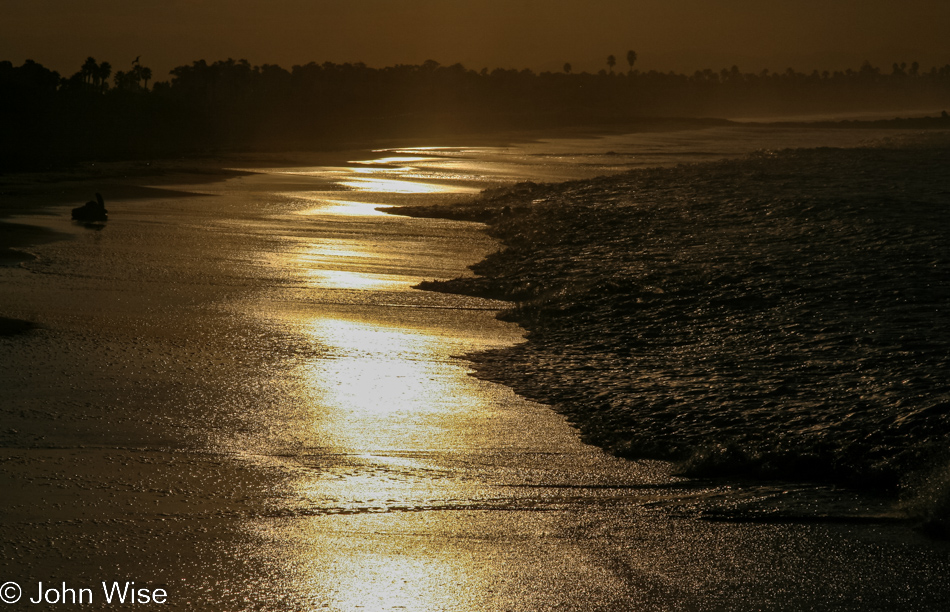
15,236
236,395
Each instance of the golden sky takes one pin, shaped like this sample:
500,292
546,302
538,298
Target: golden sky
681,35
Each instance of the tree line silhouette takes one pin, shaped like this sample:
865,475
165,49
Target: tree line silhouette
47,119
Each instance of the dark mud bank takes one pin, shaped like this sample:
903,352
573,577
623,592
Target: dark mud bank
784,315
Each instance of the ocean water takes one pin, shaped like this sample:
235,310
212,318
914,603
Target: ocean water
782,315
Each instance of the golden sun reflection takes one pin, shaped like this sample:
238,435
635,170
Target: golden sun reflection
358,563
342,264
342,279
376,405
346,208
390,185
380,386
386,581
385,418
392,160
375,370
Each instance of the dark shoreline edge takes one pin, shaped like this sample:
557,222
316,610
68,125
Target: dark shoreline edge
519,218
15,236
13,327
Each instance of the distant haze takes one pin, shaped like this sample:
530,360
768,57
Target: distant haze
680,35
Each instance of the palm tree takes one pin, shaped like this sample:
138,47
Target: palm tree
102,73
146,73
89,69
631,58
611,62
121,79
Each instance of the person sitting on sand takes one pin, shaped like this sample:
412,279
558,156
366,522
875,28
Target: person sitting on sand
92,210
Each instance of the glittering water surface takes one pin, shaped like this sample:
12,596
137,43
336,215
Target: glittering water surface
280,421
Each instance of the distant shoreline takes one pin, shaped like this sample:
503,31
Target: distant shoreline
208,162
234,105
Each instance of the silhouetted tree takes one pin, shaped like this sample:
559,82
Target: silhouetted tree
611,62
567,67
102,73
631,58
146,73
89,70
73,83
868,71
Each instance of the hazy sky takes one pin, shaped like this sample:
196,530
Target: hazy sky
681,35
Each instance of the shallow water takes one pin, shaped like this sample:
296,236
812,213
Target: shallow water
250,371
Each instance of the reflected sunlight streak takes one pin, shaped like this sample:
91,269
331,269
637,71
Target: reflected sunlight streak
341,573
345,265
391,160
343,279
346,208
379,391
388,185
368,402
374,369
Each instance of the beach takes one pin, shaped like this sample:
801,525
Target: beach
231,390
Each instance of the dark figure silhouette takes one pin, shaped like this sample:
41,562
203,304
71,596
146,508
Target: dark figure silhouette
94,210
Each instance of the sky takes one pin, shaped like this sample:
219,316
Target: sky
680,35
